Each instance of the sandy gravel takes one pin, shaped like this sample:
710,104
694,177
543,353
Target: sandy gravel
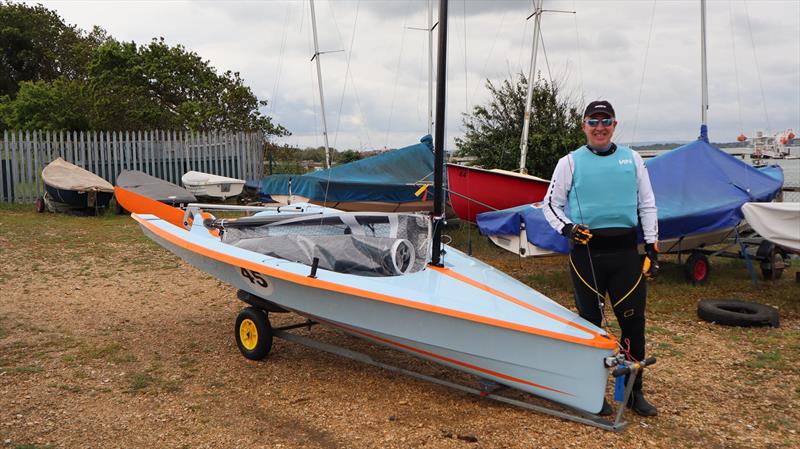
121,344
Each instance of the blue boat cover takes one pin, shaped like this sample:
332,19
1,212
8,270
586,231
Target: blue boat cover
698,188
394,177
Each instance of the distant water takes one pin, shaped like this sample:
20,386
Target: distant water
791,170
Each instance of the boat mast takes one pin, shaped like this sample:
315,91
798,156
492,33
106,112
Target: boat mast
704,73
430,66
438,142
523,145
321,95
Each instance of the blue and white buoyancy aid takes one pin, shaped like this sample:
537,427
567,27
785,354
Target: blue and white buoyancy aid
604,191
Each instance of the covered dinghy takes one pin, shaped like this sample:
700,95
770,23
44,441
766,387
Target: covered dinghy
68,186
699,191
154,188
386,182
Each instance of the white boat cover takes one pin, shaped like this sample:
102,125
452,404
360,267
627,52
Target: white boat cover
63,175
777,222
197,178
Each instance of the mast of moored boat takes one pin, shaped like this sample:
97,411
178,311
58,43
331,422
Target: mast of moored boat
704,73
438,141
321,95
523,144
430,66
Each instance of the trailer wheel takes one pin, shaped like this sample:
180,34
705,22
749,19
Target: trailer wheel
732,312
253,333
697,268
773,260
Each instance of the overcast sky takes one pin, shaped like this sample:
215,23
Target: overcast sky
643,56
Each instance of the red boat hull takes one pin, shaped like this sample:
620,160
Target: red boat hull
476,190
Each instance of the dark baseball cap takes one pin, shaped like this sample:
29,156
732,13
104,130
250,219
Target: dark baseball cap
599,107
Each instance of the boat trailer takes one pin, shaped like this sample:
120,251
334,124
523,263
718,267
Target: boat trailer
485,389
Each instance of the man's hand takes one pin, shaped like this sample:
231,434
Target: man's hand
650,267
578,233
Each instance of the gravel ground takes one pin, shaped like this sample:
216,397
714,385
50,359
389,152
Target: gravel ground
117,343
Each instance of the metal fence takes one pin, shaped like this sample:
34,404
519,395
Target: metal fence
163,154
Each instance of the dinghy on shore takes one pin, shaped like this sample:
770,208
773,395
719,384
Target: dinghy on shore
154,188
387,278
212,186
71,188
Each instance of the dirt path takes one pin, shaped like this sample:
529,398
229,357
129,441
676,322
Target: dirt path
109,341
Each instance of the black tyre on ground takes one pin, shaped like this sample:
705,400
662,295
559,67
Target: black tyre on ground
39,205
697,268
773,260
733,312
253,333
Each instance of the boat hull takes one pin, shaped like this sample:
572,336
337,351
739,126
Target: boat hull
566,372
474,190
79,200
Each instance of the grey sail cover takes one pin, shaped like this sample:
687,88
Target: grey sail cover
361,243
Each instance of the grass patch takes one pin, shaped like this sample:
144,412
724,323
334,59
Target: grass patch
150,381
70,388
27,369
772,359
113,353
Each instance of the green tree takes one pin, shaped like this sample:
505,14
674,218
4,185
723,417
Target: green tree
54,105
347,156
493,130
36,44
170,87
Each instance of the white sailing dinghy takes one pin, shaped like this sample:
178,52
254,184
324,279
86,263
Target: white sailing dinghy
213,186
383,277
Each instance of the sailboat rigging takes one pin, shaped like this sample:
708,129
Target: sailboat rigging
384,278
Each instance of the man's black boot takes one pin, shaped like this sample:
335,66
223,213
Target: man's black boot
606,410
639,404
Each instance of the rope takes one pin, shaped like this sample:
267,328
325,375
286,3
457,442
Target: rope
600,299
736,68
397,74
347,67
578,45
280,61
466,108
644,71
758,72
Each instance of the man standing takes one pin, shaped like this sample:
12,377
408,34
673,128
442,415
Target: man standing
598,196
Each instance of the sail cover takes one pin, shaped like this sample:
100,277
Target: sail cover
360,243
394,176
698,188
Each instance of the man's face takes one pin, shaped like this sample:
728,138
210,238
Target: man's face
598,136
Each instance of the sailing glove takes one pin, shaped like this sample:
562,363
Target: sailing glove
650,267
578,233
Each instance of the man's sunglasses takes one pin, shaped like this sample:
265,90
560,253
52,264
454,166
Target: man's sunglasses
593,122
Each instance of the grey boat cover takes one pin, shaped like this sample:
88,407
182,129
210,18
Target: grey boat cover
777,222
154,188
60,174
359,243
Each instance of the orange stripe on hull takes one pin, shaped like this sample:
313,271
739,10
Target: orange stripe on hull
597,341
524,304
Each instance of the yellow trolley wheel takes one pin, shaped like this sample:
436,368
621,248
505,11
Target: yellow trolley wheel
253,333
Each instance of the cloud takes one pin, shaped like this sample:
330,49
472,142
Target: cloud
606,50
